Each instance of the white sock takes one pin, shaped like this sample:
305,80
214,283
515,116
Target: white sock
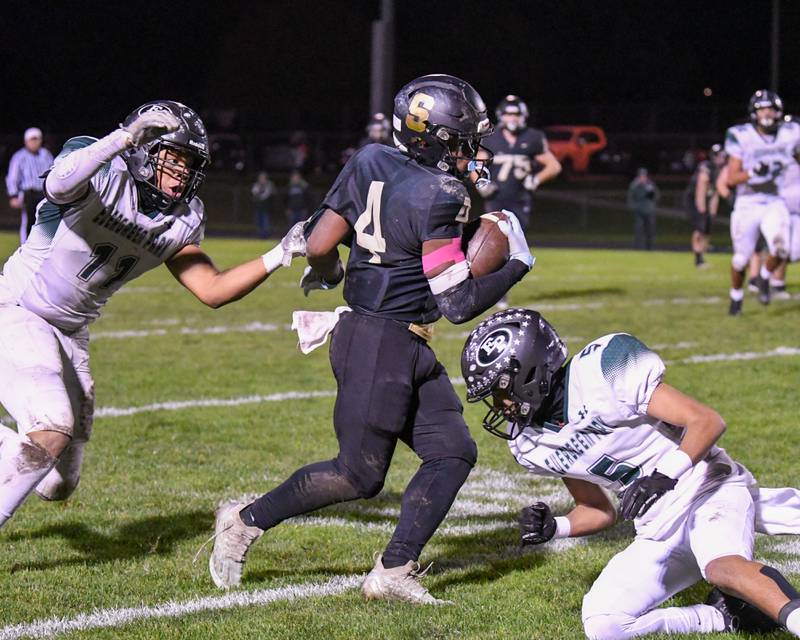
22,464
765,273
776,283
737,294
793,623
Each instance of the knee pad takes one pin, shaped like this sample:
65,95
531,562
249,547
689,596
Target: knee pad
366,482
612,626
739,261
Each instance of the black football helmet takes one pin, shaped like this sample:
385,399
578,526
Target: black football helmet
511,356
765,98
439,119
378,127
513,105
145,165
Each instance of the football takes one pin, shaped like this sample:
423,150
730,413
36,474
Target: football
487,248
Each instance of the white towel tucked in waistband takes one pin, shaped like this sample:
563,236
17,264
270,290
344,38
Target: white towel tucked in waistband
314,327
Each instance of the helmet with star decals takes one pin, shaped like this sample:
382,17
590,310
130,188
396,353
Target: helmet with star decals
509,361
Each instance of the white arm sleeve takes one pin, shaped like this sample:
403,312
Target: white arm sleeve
71,172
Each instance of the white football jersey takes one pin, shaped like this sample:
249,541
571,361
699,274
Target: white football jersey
79,254
743,141
790,187
607,437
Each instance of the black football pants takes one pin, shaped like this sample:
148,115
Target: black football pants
390,387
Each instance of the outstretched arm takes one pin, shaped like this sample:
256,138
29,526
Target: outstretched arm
194,269
69,179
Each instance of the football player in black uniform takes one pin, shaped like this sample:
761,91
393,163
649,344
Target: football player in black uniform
521,161
378,130
400,210
702,201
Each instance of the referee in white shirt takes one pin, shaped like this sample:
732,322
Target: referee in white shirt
24,181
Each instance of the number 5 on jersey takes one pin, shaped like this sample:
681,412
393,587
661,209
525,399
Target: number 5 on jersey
373,242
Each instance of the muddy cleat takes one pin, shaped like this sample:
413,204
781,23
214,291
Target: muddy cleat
736,308
779,292
232,540
399,584
763,290
739,615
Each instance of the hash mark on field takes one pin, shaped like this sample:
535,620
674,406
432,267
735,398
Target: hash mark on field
104,618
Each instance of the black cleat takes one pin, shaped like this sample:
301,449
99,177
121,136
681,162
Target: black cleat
736,308
739,615
763,290
752,287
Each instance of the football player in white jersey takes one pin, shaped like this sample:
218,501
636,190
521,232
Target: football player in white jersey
790,192
115,208
758,155
606,421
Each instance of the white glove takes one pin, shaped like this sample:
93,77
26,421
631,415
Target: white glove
292,245
531,182
517,243
151,125
486,188
312,280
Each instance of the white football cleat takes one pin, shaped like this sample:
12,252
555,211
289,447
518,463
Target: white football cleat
232,540
399,584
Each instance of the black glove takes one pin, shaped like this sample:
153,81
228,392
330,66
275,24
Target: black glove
536,524
642,494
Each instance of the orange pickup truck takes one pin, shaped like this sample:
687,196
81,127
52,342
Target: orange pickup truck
574,145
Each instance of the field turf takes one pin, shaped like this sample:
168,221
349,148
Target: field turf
155,470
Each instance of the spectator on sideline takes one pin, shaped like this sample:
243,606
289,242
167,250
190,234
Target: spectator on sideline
642,197
262,191
24,181
296,198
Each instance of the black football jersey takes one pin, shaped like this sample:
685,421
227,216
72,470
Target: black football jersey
393,204
513,163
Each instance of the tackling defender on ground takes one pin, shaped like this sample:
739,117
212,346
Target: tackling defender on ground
605,420
115,208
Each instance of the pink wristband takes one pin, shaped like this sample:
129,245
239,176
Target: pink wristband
448,253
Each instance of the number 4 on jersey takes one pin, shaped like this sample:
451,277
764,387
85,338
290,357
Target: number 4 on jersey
373,242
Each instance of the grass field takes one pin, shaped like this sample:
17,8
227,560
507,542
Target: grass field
116,559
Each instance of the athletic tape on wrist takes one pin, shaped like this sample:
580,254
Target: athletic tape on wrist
563,527
273,258
674,464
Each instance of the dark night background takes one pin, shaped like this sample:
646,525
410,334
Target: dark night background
81,66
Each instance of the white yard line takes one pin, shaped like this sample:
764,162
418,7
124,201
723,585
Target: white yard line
252,327
176,405
104,618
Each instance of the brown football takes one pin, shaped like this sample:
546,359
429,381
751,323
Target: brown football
487,249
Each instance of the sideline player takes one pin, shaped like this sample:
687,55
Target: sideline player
115,208
758,154
521,162
605,420
400,210
702,201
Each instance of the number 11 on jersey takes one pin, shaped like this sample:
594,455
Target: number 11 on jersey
373,242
